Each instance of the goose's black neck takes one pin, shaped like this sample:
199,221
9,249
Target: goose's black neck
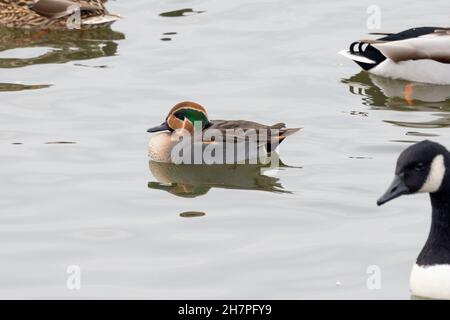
437,247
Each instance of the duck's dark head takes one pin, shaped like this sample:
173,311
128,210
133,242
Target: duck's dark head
184,115
420,168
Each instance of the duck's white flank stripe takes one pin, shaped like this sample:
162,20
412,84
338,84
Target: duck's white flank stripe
427,71
435,176
431,281
355,57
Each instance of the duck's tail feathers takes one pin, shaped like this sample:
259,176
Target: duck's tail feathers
279,125
106,19
283,134
288,131
356,57
283,131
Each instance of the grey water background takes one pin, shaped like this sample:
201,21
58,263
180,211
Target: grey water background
95,202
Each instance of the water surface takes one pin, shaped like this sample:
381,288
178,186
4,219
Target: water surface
78,188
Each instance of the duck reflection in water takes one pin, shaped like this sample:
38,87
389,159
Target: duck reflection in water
60,47
381,93
63,46
190,180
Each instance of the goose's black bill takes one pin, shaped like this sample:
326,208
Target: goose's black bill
395,190
162,127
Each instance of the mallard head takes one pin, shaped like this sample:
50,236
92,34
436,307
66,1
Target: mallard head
183,116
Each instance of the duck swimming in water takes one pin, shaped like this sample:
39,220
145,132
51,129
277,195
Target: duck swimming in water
187,116
418,54
55,14
424,167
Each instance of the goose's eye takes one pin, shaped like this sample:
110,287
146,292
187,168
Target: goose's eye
419,166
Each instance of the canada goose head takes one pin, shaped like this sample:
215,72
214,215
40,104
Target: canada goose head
184,115
422,167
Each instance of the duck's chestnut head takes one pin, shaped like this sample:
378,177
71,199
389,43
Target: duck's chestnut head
184,115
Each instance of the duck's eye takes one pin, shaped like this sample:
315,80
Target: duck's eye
419,166
179,115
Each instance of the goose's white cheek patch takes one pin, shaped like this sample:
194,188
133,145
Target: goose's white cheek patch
435,176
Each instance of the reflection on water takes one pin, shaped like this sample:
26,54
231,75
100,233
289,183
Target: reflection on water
180,13
379,92
88,66
166,36
195,180
192,214
60,142
399,95
442,121
421,134
20,87
63,46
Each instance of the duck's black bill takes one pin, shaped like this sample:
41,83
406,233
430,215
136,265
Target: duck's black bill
395,190
162,127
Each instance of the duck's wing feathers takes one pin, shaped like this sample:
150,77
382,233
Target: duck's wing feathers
433,45
236,124
55,9
233,131
14,16
30,3
18,2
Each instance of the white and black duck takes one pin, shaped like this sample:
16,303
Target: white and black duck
417,54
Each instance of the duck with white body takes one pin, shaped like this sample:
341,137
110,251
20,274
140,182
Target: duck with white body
418,54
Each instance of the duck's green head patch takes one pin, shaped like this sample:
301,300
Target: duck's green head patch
192,115
187,114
